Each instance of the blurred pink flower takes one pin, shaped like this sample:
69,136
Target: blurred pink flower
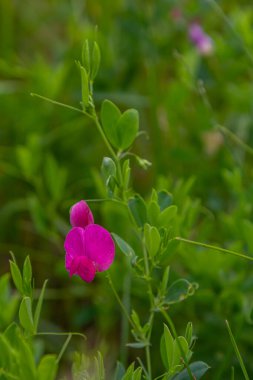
200,39
89,247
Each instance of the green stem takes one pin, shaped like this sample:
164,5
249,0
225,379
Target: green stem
119,301
111,150
174,332
235,138
151,299
62,334
219,249
243,368
58,103
64,347
124,322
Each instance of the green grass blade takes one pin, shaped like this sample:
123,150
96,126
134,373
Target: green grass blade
239,357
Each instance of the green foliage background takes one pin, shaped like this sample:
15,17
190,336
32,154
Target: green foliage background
50,156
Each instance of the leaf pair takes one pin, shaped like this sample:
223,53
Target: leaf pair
120,128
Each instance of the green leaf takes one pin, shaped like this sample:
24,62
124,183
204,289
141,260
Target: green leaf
25,314
137,374
124,246
167,215
237,352
127,128
95,61
129,373
16,276
138,209
47,368
110,115
152,239
108,168
137,344
119,371
5,352
86,56
100,366
153,211
26,361
188,333
198,369
166,348
85,87
164,199
126,173
165,280
179,291
79,367
27,277
39,305
177,354
136,320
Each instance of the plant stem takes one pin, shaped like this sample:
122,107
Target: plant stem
111,150
235,139
119,301
223,250
62,334
173,329
58,103
151,299
239,357
64,347
124,322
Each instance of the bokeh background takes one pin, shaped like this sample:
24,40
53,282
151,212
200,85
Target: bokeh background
194,106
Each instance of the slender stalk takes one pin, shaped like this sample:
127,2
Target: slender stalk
119,301
104,138
235,138
208,246
124,322
58,103
62,334
239,357
109,147
151,299
64,347
173,329
107,200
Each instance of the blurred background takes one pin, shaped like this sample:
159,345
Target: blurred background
187,67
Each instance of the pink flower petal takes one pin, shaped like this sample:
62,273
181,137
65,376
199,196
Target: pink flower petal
74,245
99,246
81,215
83,267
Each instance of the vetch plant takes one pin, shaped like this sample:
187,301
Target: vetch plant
157,223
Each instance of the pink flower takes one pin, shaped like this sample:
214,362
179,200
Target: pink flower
81,215
200,39
89,247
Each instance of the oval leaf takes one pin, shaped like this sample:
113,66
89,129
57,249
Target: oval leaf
127,128
110,115
25,314
138,209
198,369
47,367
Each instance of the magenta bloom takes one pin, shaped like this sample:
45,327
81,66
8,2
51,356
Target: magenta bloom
200,39
81,215
89,247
